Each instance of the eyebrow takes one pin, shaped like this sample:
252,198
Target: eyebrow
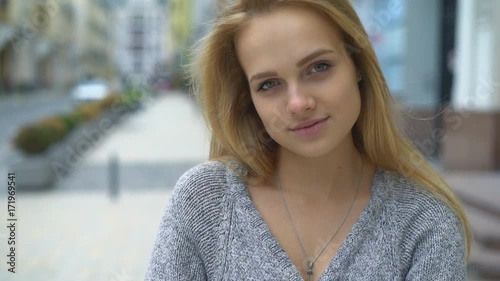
313,55
303,61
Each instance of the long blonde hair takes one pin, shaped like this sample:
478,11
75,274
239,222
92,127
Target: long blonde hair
238,134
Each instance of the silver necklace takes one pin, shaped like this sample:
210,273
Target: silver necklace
310,263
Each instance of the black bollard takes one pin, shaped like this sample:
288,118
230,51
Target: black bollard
114,175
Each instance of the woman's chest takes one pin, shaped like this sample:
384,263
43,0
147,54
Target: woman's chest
263,246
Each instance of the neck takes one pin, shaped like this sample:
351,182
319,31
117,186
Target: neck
329,177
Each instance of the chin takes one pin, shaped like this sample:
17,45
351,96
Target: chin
309,150
315,149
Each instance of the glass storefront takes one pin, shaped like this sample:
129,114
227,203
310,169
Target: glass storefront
406,36
384,21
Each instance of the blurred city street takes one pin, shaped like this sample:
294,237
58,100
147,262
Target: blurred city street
153,147
77,231
68,67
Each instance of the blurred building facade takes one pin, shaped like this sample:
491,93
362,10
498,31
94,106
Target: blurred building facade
181,24
55,54
94,38
439,59
53,44
18,47
475,143
190,20
141,47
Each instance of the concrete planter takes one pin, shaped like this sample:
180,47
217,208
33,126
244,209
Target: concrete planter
37,172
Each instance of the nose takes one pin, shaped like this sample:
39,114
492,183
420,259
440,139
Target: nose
299,101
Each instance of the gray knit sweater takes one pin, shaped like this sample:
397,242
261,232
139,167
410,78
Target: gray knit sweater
211,230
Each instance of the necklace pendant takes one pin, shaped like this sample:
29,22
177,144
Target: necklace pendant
309,268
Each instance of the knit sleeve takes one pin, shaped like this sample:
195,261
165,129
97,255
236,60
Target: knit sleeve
175,255
439,250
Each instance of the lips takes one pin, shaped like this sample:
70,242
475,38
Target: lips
308,123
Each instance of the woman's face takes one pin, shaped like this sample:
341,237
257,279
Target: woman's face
302,81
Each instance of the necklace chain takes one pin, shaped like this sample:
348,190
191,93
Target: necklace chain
310,263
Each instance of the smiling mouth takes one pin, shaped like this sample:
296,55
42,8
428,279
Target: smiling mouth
310,125
310,129
315,122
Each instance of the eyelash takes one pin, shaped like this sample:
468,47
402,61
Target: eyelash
322,63
261,86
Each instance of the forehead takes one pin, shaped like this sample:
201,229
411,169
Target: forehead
287,33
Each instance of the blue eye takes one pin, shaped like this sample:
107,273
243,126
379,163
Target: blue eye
267,85
320,67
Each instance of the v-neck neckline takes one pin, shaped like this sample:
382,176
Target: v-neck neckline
362,227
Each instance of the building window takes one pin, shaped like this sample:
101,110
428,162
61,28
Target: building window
3,9
137,24
137,66
3,4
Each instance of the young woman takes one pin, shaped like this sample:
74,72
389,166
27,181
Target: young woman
309,177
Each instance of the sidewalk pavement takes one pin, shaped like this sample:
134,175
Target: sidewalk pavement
153,148
170,130
83,236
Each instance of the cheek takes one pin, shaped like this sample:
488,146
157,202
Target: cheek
260,108
351,103
270,115
346,97
262,111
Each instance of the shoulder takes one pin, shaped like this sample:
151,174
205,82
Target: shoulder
430,235
202,177
200,192
416,211
420,220
201,181
411,198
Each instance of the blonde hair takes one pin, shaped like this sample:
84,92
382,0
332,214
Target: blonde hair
238,134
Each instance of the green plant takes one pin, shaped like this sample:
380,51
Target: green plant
55,124
71,120
38,137
89,111
109,101
32,139
132,97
